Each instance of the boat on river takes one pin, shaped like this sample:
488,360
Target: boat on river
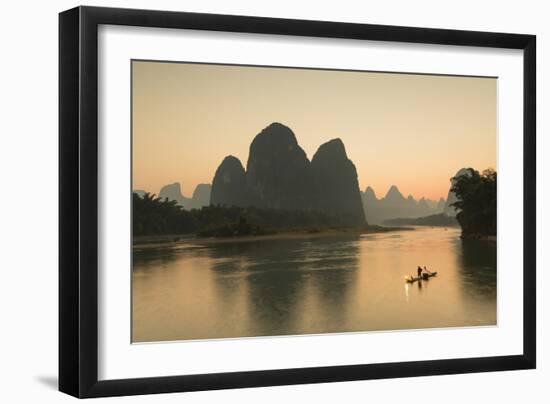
424,277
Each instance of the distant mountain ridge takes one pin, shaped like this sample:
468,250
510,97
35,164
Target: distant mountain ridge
395,205
172,192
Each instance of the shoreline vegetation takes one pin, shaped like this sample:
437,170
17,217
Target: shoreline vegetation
476,203
171,240
154,217
439,220
162,221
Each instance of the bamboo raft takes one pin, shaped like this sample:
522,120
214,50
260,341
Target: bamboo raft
423,277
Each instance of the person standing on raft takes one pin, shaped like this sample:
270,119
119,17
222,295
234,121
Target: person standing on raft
419,271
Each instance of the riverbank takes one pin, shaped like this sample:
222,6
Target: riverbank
172,240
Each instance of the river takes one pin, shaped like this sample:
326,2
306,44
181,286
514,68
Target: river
344,283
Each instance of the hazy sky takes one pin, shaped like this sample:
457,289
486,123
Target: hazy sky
414,131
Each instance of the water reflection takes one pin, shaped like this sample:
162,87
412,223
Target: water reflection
478,264
146,259
317,285
285,279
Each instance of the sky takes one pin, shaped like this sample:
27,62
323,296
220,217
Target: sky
413,131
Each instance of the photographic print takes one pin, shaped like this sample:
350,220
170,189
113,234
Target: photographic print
271,201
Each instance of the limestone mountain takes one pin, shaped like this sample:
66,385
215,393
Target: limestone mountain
228,185
277,172
394,205
173,193
394,196
369,194
335,184
280,176
424,207
201,196
370,205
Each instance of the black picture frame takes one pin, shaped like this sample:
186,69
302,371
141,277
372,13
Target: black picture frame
78,201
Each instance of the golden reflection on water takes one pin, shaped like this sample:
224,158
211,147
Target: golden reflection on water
310,286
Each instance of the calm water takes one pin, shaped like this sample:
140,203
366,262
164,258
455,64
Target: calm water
317,285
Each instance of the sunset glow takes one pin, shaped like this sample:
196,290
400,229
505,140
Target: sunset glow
414,131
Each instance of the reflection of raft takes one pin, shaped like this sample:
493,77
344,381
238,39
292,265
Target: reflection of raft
424,276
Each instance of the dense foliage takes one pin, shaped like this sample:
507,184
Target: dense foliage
432,220
476,203
156,216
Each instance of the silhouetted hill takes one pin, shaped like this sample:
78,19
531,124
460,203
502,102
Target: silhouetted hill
424,207
277,172
172,192
334,180
201,196
369,194
394,205
394,197
279,176
229,184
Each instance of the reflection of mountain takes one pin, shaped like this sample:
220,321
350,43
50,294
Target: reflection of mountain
285,278
279,176
395,205
200,198
244,289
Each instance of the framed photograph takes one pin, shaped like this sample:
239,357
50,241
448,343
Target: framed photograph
249,201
